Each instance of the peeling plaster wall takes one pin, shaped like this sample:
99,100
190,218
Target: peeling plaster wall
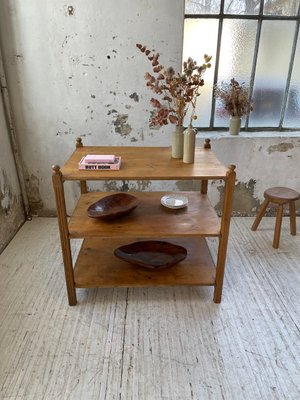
73,70
11,208
261,163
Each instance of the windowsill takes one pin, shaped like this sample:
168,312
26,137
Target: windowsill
251,135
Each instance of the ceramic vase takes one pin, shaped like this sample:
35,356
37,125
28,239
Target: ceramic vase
234,125
189,145
177,142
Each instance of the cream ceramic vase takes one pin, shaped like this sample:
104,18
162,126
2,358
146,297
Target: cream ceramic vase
189,145
234,125
177,142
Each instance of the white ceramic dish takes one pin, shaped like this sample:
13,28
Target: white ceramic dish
174,201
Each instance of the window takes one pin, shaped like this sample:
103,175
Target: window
256,42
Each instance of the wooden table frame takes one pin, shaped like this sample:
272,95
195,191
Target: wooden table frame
192,225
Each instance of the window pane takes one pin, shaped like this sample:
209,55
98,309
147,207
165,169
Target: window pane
202,6
276,7
292,114
248,7
236,58
271,72
195,46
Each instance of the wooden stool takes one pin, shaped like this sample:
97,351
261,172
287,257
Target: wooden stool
280,196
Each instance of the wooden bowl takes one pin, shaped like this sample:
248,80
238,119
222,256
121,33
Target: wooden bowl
151,254
113,206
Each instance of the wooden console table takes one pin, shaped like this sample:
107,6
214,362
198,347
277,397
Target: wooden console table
96,265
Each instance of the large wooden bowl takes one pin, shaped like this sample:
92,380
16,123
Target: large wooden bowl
113,206
151,254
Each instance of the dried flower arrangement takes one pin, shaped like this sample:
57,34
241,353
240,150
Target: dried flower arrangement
177,90
234,97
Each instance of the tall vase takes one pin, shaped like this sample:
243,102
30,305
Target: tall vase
234,125
177,142
189,145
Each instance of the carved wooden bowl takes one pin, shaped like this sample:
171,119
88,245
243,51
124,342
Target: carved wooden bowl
113,206
151,254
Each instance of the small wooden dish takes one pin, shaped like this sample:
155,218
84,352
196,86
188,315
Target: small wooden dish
151,254
113,206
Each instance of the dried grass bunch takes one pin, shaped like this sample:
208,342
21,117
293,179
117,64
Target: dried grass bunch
234,97
177,90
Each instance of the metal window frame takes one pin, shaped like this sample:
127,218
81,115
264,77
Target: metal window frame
260,17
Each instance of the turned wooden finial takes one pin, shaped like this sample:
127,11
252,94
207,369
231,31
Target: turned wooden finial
55,169
207,144
79,142
231,169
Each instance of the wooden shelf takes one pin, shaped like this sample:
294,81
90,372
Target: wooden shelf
151,163
148,219
96,266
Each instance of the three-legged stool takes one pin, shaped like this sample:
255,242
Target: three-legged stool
280,196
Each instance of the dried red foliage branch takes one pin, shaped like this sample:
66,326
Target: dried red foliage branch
177,90
234,97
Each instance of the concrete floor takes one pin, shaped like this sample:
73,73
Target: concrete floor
155,343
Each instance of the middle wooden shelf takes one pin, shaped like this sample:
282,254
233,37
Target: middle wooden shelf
148,219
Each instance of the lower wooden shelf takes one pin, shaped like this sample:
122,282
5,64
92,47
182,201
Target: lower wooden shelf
96,266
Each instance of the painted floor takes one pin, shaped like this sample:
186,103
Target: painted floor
155,343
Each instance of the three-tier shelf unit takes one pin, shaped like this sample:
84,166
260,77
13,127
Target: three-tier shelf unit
97,266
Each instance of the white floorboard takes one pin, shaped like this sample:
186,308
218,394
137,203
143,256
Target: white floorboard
155,343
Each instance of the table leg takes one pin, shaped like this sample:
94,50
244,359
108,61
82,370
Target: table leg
83,185
64,233
225,224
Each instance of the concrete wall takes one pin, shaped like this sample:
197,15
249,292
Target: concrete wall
11,208
73,70
261,162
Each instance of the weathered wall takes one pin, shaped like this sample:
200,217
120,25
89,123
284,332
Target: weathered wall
73,70
11,208
261,162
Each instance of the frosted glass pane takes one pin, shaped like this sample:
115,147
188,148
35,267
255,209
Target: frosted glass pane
248,7
202,6
286,7
292,114
236,57
271,72
200,37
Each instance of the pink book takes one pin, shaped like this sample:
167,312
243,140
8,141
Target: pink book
99,158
